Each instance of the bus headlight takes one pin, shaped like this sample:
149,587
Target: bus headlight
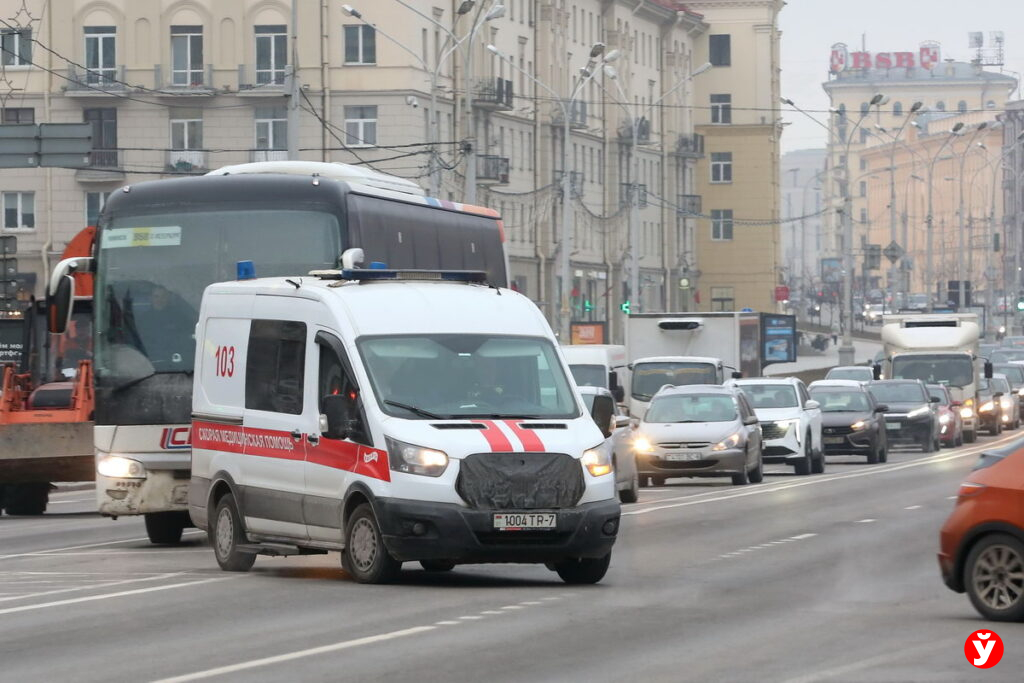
405,457
597,461
118,467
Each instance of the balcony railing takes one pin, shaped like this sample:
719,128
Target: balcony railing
578,115
197,80
688,204
576,180
492,169
105,158
691,146
494,94
626,192
95,82
269,155
186,160
643,131
253,78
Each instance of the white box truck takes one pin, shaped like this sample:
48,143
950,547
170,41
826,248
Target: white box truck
599,365
938,348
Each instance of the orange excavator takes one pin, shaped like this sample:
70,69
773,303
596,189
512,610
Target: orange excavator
47,398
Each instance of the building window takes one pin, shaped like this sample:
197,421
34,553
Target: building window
16,47
723,299
187,55
271,54
360,126
864,108
961,107
897,109
863,188
271,130
721,225
94,203
864,216
19,115
721,109
864,133
187,133
863,164
360,45
100,54
19,210
719,49
721,167
940,106
104,135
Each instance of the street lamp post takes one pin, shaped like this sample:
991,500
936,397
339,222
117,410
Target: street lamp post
634,198
930,220
962,257
565,232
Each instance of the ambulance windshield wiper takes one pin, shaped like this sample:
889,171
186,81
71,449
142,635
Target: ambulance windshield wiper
496,416
417,411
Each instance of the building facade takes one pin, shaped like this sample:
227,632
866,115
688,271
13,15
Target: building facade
800,232
472,106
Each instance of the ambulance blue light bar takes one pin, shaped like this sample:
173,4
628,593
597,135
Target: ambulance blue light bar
374,274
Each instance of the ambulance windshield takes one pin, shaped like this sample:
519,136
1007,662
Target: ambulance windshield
449,376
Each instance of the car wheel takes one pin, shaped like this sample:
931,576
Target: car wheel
741,478
583,570
803,465
970,436
631,494
936,444
657,481
165,528
756,475
365,556
818,464
645,481
994,577
875,454
437,565
226,534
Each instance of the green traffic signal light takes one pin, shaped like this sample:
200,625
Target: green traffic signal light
588,306
624,306
1020,303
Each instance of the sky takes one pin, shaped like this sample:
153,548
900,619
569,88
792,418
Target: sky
811,27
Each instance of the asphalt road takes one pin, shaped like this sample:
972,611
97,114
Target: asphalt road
820,578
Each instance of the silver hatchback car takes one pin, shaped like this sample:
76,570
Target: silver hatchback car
699,430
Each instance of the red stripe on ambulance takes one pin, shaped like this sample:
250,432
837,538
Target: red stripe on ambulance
496,439
531,442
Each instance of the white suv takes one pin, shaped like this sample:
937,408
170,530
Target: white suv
790,422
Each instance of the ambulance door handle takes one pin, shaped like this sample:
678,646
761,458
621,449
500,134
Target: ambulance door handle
313,439
297,435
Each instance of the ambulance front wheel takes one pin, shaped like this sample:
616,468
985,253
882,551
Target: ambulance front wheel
583,570
226,534
365,557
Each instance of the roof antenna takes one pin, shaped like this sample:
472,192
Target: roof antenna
294,283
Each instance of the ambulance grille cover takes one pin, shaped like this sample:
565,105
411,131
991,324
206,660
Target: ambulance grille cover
520,481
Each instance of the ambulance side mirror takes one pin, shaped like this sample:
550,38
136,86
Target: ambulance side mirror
603,411
340,420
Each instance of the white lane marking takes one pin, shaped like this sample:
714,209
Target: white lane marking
107,596
802,537
761,488
446,623
510,607
866,521
491,612
912,507
902,653
471,617
93,586
952,497
105,553
255,663
89,545
532,602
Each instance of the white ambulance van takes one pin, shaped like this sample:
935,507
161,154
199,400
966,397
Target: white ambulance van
394,416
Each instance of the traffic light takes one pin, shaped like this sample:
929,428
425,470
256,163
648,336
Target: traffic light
1020,303
624,307
588,306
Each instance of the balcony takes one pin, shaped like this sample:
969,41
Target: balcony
269,155
105,166
625,194
198,81
186,161
95,82
253,80
643,131
493,94
492,169
578,115
576,180
690,146
688,205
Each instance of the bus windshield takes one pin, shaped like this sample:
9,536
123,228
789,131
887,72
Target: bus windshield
955,370
589,375
648,378
153,268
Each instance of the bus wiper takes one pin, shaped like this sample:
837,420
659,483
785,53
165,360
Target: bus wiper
417,411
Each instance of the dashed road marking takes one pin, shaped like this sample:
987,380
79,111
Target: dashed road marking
912,507
866,521
107,596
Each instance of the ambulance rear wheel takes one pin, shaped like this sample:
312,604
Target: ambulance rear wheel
365,557
226,535
437,565
583,570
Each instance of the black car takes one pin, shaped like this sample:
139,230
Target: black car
990,408
852,422
912,417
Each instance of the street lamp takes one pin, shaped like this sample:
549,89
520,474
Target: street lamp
634,186
962,260
565,233
929,273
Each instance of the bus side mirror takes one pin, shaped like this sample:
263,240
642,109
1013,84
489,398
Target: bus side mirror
736,374
603,412
59,305
340,420
988,369
876,371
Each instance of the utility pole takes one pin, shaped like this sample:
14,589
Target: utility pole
962,260
292,122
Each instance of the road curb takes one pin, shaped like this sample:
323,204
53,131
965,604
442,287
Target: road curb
73,486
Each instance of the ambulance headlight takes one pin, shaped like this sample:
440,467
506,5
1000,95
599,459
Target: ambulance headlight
411,459
118,467
598,461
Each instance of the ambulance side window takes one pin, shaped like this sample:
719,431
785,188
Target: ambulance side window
275,367
335,379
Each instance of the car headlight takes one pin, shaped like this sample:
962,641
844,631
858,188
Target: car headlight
728,442
987,407
858,425
1007,402
598,461
1020,392
919,412
411,459
119,467
944,419
642,444
786,425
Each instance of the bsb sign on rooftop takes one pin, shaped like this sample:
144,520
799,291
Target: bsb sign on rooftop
926,57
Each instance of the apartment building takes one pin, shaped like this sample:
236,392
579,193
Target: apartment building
466,99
